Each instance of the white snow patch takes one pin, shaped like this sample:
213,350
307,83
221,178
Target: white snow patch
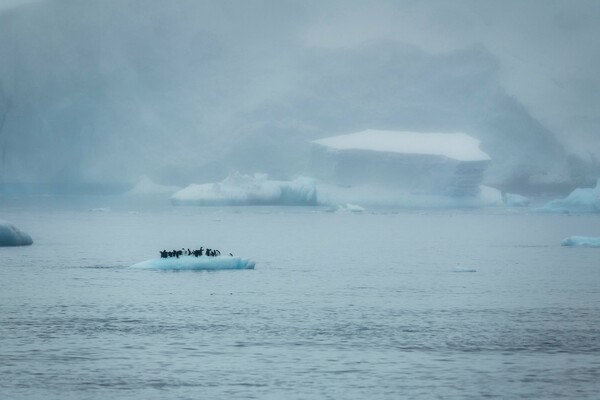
458,146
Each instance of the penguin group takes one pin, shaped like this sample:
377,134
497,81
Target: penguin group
187,252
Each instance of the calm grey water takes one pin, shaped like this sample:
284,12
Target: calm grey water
340,306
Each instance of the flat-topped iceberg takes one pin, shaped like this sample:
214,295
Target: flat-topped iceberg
447,164
202,263
257,189
581,241
10,235
581,200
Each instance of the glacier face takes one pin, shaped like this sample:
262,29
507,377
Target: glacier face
416,163
10,235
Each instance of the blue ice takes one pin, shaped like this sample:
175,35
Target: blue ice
582,200
202,263
581,241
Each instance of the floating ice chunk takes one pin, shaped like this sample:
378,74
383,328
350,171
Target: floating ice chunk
145,186
99,209
461,269
581,241
10,235
202,263
238,189
347,208
516,200
581,200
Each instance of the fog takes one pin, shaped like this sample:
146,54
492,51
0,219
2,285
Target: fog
99,93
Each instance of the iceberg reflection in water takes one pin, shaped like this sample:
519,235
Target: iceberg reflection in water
196,263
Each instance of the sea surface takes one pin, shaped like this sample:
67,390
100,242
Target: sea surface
381,304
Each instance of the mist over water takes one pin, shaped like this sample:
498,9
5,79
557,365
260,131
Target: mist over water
100,93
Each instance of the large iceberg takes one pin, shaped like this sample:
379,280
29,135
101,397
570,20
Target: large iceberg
257,189
10,235
581,241
581,200
446,164
202,263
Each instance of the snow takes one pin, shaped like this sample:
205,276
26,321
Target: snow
581,200
202,263
10,235
145,186
257,189
581,241
457,146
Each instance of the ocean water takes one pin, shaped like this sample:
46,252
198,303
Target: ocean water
372,305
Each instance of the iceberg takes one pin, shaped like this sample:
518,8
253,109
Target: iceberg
10,235
145,186
257,189
515,200
581,241
202,263
380,196
581,200
447,164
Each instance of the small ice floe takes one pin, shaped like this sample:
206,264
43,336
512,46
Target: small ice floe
99,209
202,263
464,269
10,235
581,241
347,208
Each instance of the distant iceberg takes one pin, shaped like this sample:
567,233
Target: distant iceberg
581,200
515,200
440,164
257,189
379,196
202,263
581,241
145,186
10,235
